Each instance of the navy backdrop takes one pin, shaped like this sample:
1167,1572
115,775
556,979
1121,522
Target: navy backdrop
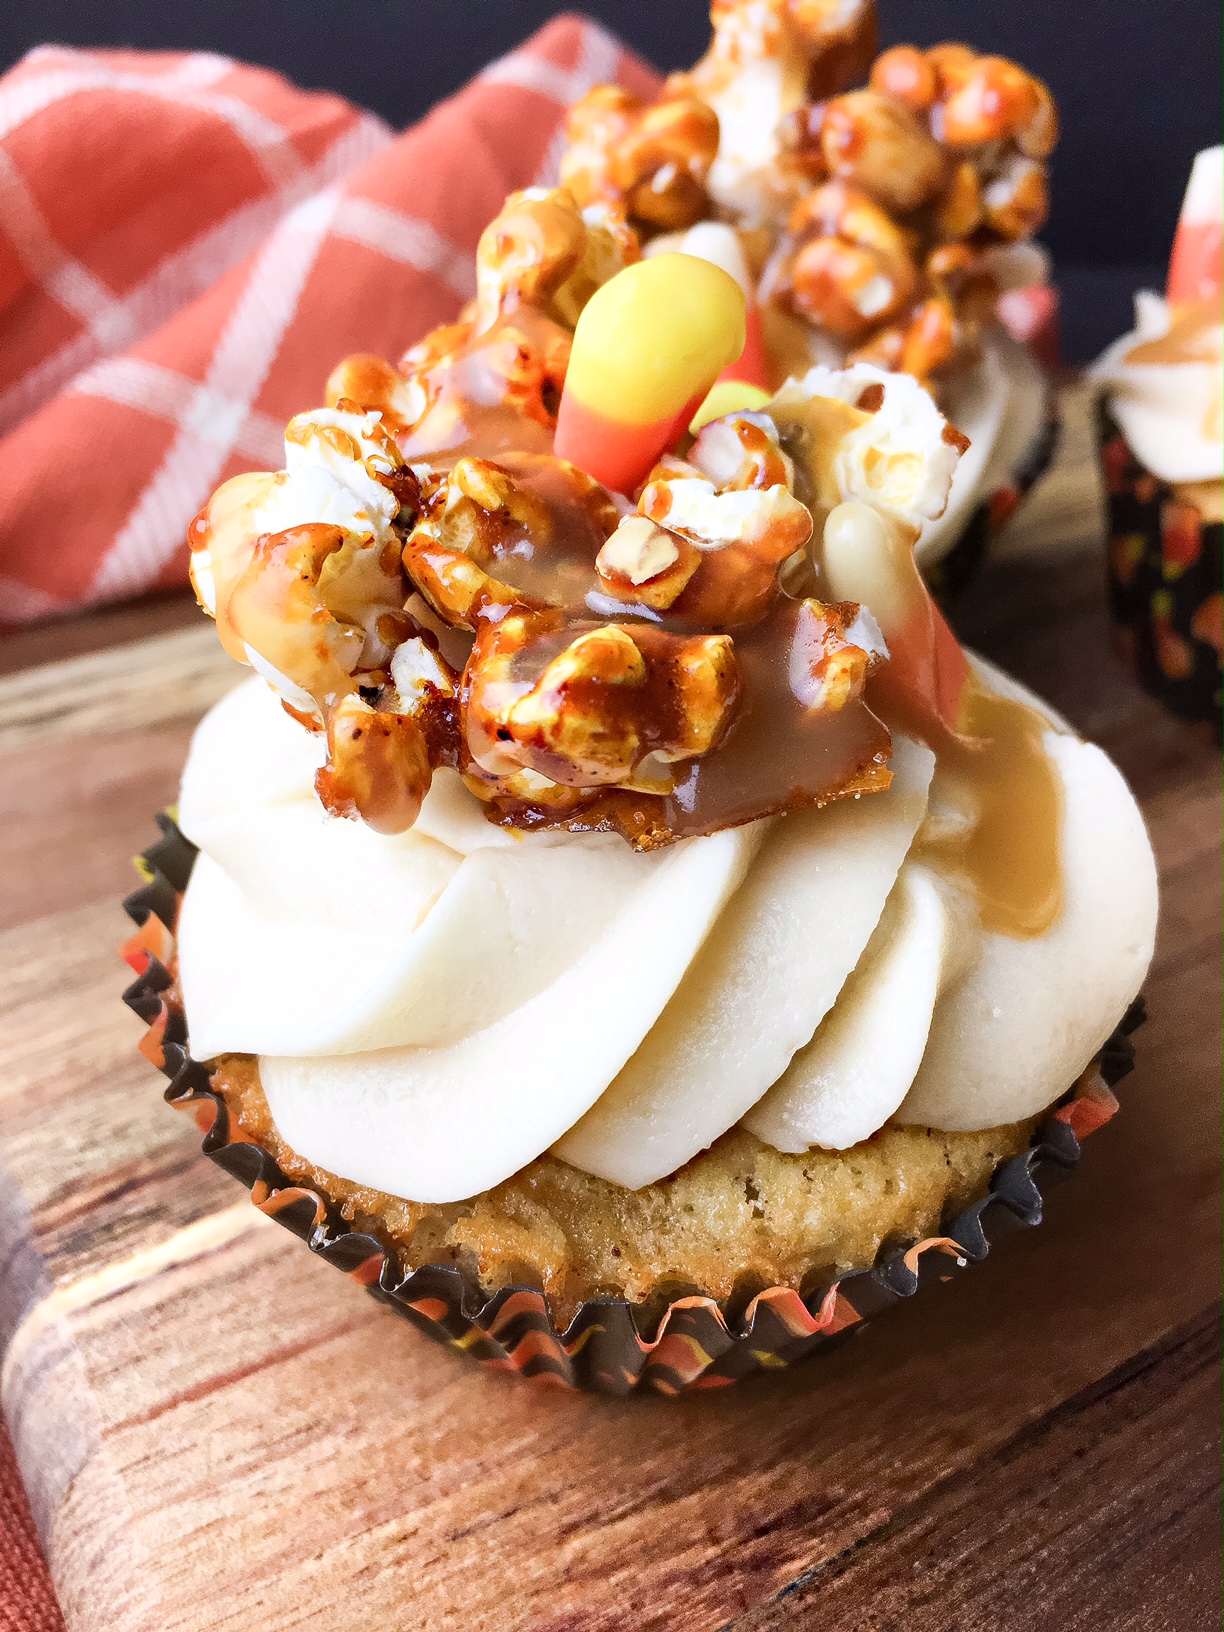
1137,82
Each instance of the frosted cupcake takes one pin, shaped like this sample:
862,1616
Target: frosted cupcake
877,208
624,906
1162,449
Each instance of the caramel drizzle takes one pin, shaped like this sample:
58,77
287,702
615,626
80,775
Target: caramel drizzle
1193,337
1010,855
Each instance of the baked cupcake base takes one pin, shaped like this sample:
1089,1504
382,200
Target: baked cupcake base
561,1274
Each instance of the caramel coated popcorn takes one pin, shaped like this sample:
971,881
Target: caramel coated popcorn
428,584
871,192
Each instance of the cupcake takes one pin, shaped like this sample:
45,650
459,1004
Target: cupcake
1162,450
616,921
877,208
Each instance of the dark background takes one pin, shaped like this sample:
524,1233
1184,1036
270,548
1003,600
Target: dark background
1137,84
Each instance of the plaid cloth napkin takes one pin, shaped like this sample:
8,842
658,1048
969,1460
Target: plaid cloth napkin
187,246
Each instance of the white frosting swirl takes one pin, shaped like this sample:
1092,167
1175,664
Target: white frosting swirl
1168,401
433,1010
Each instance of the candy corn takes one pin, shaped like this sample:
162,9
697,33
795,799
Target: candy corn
719,244
728,397
649,345
870,560
1196,269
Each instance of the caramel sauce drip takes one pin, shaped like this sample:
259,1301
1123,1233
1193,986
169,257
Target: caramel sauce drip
551,558
223,528
778,755
1193,337
497,392
1010,855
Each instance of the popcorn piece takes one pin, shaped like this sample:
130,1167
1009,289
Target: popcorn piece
732,522
652,161
836,648
994,100
898,458
584,705
378,766
907,75
309,604
543,251
845,266
323,564
1017,199
341,468
878,144
645,564
419,670
372,382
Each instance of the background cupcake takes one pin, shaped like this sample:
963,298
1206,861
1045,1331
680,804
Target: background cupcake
1162,449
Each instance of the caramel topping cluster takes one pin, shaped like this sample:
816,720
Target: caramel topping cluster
464,598
890,205
913,181
650,160
475,382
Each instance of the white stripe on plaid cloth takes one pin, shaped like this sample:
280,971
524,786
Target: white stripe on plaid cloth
171,396
214,421
216,418
189,271
400,238
597,60
67,281
185,86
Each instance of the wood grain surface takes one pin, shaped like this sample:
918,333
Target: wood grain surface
219,1433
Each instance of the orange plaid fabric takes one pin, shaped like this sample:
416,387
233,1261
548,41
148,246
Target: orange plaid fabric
187,245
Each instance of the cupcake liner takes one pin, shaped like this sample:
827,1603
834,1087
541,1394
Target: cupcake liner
953,571
1164,570
611,1346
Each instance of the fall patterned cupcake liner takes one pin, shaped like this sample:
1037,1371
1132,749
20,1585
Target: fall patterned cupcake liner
950,574
611,1346
1165,577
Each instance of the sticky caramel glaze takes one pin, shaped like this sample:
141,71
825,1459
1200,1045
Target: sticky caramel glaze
223,529
551,558
811,432
1009,856
634,691
495,392
275,607
1193,337
778,755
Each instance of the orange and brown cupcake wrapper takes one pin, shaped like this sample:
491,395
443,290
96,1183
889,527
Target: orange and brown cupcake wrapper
611,1346
1165,582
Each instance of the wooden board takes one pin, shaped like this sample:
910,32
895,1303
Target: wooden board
1034,1445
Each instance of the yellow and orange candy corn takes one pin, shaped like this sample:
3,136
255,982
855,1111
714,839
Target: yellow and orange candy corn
869,560
649,345
1196,269
719,244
